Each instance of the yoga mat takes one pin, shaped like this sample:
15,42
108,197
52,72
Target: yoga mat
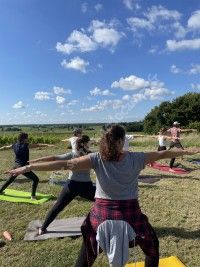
25,197
148,179
195,161
58,228
172,261
165,168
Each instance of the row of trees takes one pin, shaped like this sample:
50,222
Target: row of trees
184,109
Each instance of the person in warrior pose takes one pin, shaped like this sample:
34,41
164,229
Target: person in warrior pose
21,150
78,183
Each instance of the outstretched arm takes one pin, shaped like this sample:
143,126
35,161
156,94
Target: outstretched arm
48,158
5,147
65,140
188,130
40,145
153,156
77,164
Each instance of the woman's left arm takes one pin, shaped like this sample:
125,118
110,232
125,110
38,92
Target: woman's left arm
77,164
153,156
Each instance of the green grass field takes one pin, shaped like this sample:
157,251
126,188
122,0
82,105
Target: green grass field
171,202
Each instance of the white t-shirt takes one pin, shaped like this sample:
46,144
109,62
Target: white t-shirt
73,143
162,141
128,137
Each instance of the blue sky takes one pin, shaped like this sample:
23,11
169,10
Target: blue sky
95,61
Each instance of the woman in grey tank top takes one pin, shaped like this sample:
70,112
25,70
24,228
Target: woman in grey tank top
116,196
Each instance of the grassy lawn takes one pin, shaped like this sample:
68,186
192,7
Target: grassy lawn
171,202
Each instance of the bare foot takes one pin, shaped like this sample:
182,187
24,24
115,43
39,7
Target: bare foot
171,170
33,198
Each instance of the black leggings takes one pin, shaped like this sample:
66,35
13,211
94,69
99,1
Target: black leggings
68,193
176,144
30,175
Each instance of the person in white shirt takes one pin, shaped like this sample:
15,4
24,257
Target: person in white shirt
77,134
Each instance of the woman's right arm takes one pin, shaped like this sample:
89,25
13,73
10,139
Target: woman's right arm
5,147
157,155
77,164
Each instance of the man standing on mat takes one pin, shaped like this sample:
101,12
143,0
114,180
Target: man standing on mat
21,150
175,140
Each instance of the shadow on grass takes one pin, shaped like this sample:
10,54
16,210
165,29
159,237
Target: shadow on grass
177,232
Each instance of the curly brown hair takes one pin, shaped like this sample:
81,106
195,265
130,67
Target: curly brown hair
80,142
108,142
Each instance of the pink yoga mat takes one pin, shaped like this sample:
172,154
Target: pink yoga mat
165,168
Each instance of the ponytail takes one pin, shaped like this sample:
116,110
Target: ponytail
108,144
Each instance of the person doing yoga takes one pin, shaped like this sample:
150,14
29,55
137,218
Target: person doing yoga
175,132
78,183
77,133
116,196
21,150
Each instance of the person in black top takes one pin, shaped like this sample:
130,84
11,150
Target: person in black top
21,150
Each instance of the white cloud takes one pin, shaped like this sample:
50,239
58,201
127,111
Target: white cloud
98,7
42,96
99,34
60,100
40,114
194,21
77,41
130,4
60,90
195,86
103,105
75,63
180,31
193,44
153,49
159,12
157,19
18,105
139,23
73,102
156,93
104,34
84,7
130,83
138,97
96,91
126,97
175,70
148,89
195,69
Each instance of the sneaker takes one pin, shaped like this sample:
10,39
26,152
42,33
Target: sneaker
41,232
